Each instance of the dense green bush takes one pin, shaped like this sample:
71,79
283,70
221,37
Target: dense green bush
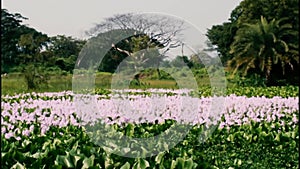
253,80
35,76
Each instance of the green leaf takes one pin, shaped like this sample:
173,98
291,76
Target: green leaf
189,164
125,166
18,166
129,130
141,164
230,138
159,157
76,159
173,164
88,162
25,143
64,161
180,162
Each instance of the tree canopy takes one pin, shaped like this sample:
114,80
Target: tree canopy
126,35
22,45
261,36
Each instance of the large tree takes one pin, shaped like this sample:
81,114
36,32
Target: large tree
129,48
249,11
143,33
221,36
23,48
10,34
64,51
261,46
31,46
284,10
65,46
163,29
20,44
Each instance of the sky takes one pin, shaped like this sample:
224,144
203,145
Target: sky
74,17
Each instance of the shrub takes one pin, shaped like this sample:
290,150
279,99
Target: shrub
35,76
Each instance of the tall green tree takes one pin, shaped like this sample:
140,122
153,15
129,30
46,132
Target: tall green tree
221,36
64,50
31,45
20,44
259,47
249,11
11,25
284,10
65,46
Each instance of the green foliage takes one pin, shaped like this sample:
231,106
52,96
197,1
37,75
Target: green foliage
222,36
65,46
253,80
72,149
261,46
22,45
138,49
248,91
268,92
66,64
35,76
64,52
251,11
181,61
30,46
257,145
23,49
277,41
254,145
10,34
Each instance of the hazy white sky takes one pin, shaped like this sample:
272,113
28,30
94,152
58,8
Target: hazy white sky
73,17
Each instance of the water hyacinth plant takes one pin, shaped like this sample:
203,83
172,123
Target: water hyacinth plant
59,110
253,121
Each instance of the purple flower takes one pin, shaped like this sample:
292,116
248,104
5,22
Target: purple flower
26,132
8,135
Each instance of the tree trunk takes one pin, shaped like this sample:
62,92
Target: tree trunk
159,74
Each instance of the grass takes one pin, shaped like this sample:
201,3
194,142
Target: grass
15,83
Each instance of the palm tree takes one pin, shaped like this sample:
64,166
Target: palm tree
262,45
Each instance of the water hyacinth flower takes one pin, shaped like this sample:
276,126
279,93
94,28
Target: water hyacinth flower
9,135
26,132
65,108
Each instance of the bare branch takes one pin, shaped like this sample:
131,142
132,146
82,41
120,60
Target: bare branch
164,29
